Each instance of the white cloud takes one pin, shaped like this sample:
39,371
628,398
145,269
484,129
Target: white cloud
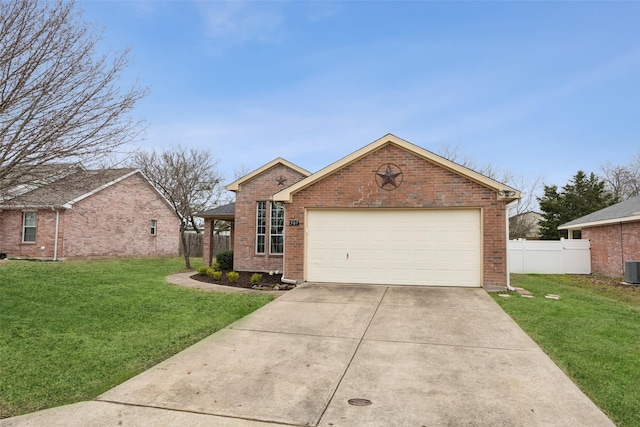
241,21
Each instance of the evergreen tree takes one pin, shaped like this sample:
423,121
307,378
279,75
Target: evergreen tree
581,196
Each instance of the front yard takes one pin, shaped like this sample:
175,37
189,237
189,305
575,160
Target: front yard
592,332
71,331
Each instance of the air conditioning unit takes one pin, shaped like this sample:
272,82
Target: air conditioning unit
632,272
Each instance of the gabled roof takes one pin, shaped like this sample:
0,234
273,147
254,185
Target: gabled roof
504,191
235,186
224,213
63,193
626,211
27,178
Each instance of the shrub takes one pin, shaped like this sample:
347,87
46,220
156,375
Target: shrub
256,278
202,271
216,266
225,260
216,275
210,271
232,276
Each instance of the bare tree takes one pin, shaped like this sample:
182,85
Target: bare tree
489,170
520,225
240,171
188,179
59,100
528,187
623,181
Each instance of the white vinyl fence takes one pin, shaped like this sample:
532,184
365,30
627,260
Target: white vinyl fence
566,256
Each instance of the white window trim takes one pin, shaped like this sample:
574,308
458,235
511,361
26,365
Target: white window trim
275,206
154,227
34,226
260,204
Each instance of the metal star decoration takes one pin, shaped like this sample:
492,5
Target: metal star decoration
281,180
391,177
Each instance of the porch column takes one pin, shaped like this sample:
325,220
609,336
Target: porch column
207,242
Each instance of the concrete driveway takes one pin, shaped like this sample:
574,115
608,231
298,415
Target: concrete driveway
350,355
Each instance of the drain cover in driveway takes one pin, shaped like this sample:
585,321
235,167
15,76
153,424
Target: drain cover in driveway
359,402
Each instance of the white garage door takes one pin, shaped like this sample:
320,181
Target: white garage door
402,247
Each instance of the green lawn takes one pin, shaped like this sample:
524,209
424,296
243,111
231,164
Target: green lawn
70,331
592,333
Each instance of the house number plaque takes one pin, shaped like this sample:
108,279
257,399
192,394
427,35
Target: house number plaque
294,222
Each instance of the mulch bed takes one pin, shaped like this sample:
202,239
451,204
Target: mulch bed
609,281
269,282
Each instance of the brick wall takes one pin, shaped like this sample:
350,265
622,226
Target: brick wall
11,235
260,188
612,245
116,222
113,222
424,185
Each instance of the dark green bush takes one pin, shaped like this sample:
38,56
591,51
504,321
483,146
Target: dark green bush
225,260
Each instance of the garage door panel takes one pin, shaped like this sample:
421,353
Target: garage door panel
419,247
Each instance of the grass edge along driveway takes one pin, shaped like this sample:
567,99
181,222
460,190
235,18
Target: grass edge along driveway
592,333
72,330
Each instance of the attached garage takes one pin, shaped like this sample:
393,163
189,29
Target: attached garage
390,213
432,247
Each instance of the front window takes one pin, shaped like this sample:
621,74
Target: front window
261,227
154,227
29,227
277,229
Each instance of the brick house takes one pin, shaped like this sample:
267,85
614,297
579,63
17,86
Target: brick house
614,233
389,213
525,225
74,212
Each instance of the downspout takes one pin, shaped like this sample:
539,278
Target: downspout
622,249
508,209
284,251
55,239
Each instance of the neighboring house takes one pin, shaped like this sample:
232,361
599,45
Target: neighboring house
525,225
614,233
74,212
389,213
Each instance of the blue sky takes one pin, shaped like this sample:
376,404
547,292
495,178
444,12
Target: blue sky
539,88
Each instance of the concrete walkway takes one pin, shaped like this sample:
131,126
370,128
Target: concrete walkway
349,355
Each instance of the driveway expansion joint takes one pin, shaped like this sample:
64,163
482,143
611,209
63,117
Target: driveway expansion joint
186,411
293,333
533,350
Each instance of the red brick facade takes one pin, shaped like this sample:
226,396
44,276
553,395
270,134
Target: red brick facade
260,188
424,185
428,182
612,245
113,222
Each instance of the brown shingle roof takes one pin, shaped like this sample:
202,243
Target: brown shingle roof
625,211
226,212
67,189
